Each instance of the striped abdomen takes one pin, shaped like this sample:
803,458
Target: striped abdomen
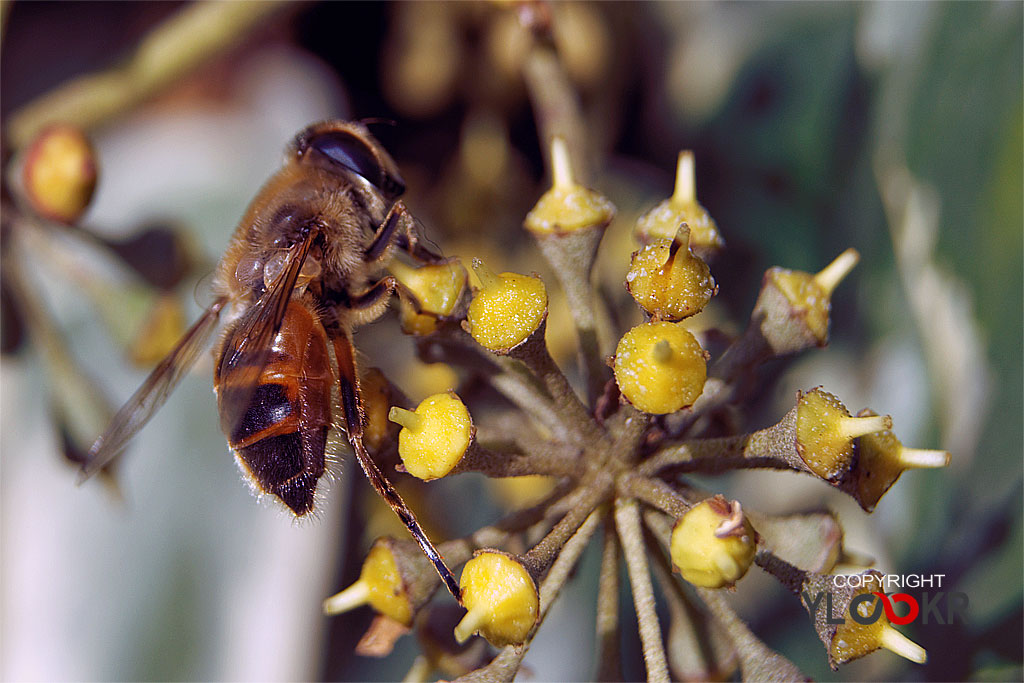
278,428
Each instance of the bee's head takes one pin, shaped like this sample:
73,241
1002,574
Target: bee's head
347,148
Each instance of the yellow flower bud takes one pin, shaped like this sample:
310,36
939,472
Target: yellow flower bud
881,459
660,367
794,306
713,544
160,332
507,309
500,597
435,437
668,281
663,221
437,288
825,432
852,640
376,393
59,173
380,585
567,206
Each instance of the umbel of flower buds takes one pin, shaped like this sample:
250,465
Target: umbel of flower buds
713,543
659,367
500,597
437,288
506,309
667,280
663,221
434,437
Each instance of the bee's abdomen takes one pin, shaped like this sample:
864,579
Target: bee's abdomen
287,466
278,428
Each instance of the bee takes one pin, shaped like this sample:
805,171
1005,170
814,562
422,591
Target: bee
304,267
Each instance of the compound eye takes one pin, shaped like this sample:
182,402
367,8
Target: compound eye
351,153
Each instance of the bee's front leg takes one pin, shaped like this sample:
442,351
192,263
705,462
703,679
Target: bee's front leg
399,230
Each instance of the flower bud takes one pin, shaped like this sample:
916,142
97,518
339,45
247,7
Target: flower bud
713,543
825,433
435,626
660,367
507,308
160,331
850,639
377,397
567,206
793,307
667,280
880,460
663,221
437,288
435,437
59,173
500,597
381,585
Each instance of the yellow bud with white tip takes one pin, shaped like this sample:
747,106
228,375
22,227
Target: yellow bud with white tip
852,639
825,432
506,309
501,599
380,585
567,206
435,437
713,543
663,221
660,367
793,307
881,459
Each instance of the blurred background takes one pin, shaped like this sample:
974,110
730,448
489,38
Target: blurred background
895,128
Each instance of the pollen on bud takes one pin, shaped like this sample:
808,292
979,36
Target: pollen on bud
501,599
567,206
881,459
713,543
506,310
437,288
59,173
380,585
660,367
667,280
435,437
662,221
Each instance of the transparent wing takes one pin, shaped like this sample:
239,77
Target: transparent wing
248,350
153,393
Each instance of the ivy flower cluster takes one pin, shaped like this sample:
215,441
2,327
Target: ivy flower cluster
620,452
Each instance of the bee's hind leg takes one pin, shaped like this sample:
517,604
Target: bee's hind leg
354,414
